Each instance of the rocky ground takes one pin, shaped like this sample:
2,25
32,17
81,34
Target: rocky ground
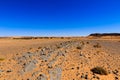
67,60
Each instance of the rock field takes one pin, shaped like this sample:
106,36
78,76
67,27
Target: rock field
68,60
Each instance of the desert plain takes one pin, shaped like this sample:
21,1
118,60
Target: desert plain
80,58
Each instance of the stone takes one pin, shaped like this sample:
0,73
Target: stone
42,77
55,74
30,66
8,71
1,71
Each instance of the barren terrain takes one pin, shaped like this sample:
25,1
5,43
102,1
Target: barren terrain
60,59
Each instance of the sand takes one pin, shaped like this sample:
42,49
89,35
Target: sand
59,59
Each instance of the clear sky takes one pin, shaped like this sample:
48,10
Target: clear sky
58,17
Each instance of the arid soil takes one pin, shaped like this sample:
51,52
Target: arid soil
60,59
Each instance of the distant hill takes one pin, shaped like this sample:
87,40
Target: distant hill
105,34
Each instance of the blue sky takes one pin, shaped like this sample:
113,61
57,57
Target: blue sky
58,17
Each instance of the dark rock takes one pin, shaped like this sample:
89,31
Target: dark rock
115,72
42,77
78,68
116,78
83,76
8,71
86,76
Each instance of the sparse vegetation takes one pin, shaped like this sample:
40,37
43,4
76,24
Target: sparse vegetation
98,52
58,47
82,43
87,42
78,47
30,48
97,45
99,70
2,59
62,37
39,47
58,57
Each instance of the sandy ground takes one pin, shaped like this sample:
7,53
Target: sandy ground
59,59
8,46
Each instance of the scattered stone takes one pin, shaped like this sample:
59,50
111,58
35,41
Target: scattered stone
97,45
39,47
95,77
81,54
72,68
30,66
44,57
79,47
36,73
8,71
115,72
28,55
82,76
41,77
116,78
87,42
78,68
86,76
77,74
55,74
52,58
1,71
21,72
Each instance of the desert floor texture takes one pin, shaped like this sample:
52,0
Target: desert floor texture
60,59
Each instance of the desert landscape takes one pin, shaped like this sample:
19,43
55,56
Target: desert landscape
95,57
59,39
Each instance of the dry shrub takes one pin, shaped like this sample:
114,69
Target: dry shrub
97,45
87,42
62,37
82,42
2,59
78,47
99,70
39,47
